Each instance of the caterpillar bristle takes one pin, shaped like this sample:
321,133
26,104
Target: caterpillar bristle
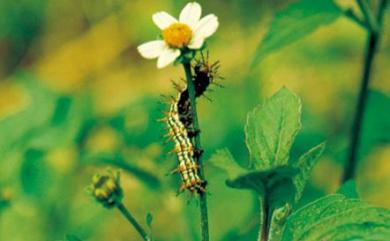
207,98
163,119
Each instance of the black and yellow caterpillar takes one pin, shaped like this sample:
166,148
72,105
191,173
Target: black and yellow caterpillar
179,122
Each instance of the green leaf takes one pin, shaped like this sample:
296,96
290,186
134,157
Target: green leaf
18,129
271,129
149,219
35,174
349,189
224,160
336,217
68,116
61,111
278,181
296,21
305,164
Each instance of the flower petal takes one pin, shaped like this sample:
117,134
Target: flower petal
190,14
196,42
163,20
152,49
167,57
206,26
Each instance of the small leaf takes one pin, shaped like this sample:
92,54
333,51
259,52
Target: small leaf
224,160
34,173
336,217
349,189
296,21
305,164
271,129
61,110
149,219
275,180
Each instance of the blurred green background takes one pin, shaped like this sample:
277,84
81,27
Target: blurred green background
76,97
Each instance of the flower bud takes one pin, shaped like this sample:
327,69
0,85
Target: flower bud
106,189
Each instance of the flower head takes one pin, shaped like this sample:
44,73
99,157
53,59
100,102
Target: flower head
106,189
187,33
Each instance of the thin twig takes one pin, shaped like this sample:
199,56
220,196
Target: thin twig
352,15
133,222
368,15
202,196
371,47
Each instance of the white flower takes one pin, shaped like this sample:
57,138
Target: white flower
189,31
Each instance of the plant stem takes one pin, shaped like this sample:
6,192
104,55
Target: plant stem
369,17
351,15
204,223
133,222
371,47
264,219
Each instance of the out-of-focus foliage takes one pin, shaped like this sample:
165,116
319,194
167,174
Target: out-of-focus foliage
296,21
75,97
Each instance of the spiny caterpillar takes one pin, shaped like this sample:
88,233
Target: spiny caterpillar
204,75
184,149
179,121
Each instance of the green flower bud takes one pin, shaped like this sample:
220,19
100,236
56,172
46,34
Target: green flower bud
106,189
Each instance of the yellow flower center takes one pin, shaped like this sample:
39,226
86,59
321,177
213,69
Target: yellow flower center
177,35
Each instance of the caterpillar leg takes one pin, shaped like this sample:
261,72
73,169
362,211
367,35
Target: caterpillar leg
198,153
192,133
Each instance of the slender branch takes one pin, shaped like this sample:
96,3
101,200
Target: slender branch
352,15
264,219
133,222
355,136
368,15
204,223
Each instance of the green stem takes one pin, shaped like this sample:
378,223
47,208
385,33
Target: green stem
204,223
264,219
133,222
351,15
355,136
368,15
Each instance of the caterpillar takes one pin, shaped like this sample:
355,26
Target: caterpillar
204,75
179,121
188,169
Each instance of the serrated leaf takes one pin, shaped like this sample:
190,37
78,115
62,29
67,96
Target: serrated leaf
335,216
271,129
224,160
305,164
294,22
